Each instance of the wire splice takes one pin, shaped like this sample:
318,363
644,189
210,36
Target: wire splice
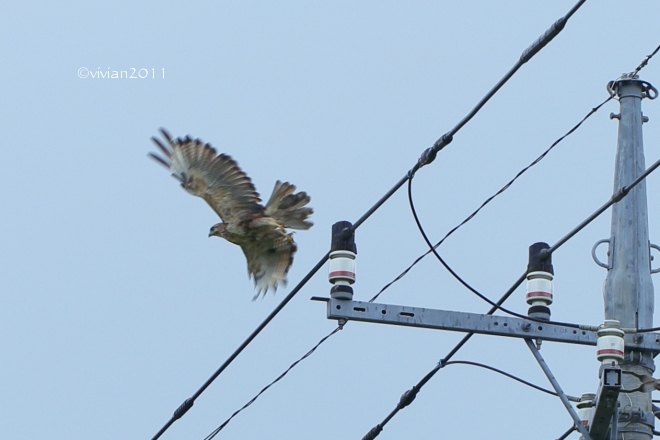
544,39
373,433
407,397
644,62
181,410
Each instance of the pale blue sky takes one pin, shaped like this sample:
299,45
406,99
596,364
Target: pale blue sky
115,305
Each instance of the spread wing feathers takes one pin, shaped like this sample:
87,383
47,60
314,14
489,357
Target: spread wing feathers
214,177
269,258
287,208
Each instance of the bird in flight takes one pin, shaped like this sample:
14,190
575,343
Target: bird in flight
259,230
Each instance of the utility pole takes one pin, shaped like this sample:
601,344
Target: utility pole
628,288
621,408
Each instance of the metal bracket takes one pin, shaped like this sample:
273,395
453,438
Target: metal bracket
648,91
478,323
633,357
657,248
560,393
636,415
607,266
606,401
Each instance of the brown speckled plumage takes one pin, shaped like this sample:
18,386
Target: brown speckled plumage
258,230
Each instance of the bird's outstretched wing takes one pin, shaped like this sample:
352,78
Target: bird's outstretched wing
269,257
214,177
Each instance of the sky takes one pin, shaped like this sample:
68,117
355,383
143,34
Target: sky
116,306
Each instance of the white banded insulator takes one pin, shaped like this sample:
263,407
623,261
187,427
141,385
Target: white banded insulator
539,288
610,346
342,267
585,409
341,273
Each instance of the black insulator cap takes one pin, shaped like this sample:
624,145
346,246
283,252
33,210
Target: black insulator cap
343,238
341,288
539,312
540,261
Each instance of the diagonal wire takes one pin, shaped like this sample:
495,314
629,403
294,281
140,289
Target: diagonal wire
496,306
263,390
568,432
644,62
510,376
461,280
427,157
500,191
409,396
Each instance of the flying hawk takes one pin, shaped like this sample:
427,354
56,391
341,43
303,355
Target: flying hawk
259,230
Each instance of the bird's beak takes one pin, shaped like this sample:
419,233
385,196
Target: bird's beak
210,233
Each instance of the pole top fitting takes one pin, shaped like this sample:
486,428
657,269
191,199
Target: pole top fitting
647,90
540,260
343,238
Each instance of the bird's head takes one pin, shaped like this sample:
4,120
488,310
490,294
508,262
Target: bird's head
217,230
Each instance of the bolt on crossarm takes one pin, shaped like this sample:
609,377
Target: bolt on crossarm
628,288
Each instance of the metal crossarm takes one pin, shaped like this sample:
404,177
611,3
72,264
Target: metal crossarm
476,323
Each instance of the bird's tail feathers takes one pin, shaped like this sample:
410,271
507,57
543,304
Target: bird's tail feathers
288,208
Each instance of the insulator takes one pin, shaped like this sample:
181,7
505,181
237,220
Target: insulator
610,346
539,288
539,281
342,267
585,409
342,261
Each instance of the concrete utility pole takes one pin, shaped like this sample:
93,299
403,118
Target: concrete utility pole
628,289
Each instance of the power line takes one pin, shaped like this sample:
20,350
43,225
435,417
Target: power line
263,390
567,433
645,62
510,376
188,403
409,396
461,280
500,191
429,155
426,158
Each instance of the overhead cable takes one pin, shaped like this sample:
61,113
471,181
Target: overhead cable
409,396
461,280
510,376
426,158
644,62
500,191
277,379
